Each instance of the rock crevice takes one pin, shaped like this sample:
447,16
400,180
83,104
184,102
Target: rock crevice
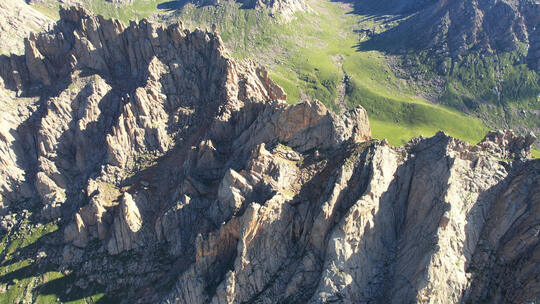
178,175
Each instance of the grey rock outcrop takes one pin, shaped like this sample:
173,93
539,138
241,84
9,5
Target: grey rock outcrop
375,224
458,28
125,226
507,145
285,8
180,176
17,21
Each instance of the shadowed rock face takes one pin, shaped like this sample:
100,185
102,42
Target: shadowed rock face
180,176
283,8
491,26
458,28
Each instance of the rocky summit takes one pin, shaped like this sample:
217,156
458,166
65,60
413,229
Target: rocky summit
141,164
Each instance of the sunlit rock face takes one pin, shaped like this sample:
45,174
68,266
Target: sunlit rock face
177,175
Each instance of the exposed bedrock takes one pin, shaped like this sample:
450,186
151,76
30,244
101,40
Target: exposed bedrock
180,176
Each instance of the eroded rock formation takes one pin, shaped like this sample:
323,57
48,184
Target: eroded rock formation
459,28
17,21
286,8
180,176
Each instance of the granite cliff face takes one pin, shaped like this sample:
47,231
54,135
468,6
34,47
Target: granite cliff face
177,175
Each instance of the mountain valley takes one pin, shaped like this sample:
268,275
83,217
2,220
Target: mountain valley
280,151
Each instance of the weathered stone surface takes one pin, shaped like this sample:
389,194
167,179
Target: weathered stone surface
508,145
181,176
459,28
285,8
17,21
76,232
231,189
126,224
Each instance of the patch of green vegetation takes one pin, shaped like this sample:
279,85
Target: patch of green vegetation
59,286
394,112
244,30
49,298
303,55
38,233
289,192
290,87
297,63
139,9
535,153
309,55
25,237
24,280
284,147
48,9
501,79
499,88
399,121
15,289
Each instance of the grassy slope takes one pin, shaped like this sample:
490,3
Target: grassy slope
26,281
303,55
501,79
48,9
303,60
138,10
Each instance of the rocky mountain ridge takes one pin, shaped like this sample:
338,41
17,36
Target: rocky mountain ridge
285,8
480,57
177,175
457,28
17,21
